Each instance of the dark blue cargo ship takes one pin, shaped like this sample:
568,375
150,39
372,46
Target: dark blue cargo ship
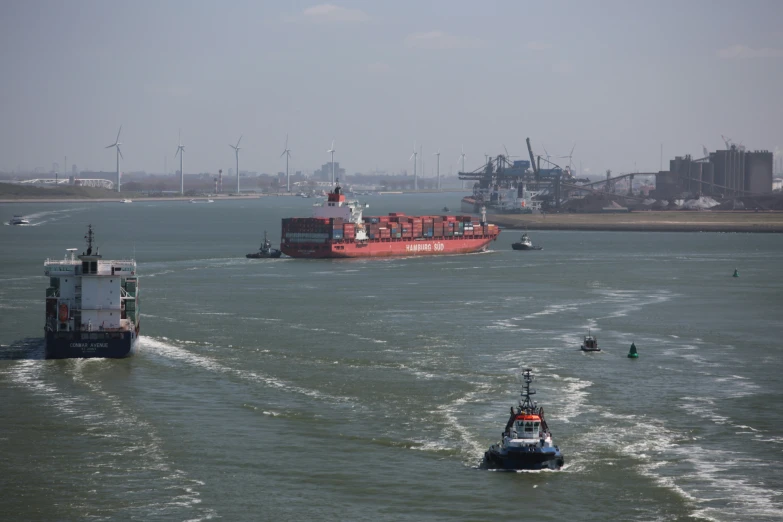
92,305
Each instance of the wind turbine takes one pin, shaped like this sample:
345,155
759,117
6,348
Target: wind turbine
117,144
438,167
569,156
237,148
462,157
413,157
287,154
180,150
508,156
331,151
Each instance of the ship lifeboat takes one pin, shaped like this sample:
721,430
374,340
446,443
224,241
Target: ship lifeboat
63,312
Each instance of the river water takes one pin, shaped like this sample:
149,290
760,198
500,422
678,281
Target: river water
369,389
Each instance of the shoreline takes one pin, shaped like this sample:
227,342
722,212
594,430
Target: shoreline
765,222
134,200
663,221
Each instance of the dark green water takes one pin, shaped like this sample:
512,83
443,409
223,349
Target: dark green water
369,389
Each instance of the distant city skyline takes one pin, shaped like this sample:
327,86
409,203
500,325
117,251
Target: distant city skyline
614,79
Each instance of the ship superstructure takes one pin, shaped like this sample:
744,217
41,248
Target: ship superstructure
338,228
92,305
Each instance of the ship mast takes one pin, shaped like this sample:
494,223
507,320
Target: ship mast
526,405
89,237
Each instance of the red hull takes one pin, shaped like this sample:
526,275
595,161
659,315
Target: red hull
389,247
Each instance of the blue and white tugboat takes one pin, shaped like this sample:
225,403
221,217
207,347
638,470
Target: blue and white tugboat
526,442
92,305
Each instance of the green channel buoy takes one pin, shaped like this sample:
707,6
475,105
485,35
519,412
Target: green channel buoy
736,273
633,353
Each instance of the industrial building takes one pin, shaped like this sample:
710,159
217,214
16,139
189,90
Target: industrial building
325,172
724,173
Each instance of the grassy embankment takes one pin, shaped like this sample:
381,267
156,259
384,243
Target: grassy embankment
11,192
652,221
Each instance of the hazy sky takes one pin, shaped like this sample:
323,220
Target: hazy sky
618,78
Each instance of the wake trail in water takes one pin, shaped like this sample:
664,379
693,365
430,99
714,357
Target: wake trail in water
124,446
40,218
164,348
717,484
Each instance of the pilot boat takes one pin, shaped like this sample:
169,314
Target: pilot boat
18,220
590,343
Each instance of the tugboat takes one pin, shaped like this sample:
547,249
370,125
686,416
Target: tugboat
526,442
18,220
590,343
265,251
525,243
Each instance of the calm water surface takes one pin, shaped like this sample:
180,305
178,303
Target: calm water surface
369,389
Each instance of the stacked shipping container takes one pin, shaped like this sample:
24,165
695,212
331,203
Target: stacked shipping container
393,226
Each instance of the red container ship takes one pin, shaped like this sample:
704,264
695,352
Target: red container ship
338,229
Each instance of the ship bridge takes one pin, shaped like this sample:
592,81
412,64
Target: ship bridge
526,427
336,206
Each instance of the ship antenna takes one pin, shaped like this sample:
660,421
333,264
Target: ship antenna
526,404
89,237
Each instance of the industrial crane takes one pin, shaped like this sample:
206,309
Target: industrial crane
532,159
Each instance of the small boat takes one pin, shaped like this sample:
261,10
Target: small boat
526,442
18,220
126,201
265,251
525,243
445,209
590,343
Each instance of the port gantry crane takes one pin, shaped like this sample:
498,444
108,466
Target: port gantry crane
500,172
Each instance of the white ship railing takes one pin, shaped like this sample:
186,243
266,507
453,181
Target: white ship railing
62,262
116,262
